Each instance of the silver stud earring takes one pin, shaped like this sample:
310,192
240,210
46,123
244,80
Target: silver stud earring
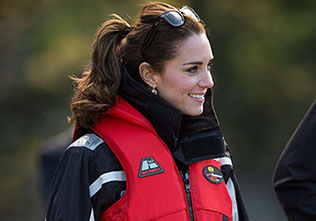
154,91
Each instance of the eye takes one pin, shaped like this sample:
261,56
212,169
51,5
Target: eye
209,66
192,69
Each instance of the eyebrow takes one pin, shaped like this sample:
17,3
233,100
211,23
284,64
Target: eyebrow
198,62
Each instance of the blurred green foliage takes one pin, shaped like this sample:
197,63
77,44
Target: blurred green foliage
265,81
264,73
265,70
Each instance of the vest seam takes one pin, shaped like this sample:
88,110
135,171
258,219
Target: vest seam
169,213
214,210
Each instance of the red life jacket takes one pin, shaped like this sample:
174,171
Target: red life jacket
154,187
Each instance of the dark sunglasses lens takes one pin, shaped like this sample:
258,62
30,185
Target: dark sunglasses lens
174,18
189,11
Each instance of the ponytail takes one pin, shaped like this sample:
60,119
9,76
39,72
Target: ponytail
96,90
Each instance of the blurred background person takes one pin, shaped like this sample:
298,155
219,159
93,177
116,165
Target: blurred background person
294,179
49,157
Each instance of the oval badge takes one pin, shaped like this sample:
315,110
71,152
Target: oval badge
213,174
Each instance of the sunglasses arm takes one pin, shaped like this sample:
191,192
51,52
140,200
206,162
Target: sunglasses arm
149,37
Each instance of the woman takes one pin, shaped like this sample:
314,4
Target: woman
147,145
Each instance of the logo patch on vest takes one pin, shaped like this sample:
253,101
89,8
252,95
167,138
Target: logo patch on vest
213,174
148,167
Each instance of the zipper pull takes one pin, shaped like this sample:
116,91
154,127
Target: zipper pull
187,183
186,176
187,188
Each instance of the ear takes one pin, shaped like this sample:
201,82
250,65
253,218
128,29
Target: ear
149,76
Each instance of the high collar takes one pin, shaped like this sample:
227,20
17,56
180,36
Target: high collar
185,136
165,118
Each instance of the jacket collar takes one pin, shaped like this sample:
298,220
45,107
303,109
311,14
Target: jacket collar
187,137
165,119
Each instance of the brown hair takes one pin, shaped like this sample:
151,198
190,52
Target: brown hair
96,90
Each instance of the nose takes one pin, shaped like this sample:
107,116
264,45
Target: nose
206,80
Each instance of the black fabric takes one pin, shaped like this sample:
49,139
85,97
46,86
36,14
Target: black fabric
228,172
294,178
179,132
49,157
201,146
207,121
242,212
165,118
66,191
78,169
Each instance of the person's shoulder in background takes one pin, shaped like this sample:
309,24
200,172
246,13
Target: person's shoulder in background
49,156
294,178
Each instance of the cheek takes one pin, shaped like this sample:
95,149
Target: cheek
178,87
185,85
175,84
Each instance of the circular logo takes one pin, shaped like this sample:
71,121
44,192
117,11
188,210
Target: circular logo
213,174
210,168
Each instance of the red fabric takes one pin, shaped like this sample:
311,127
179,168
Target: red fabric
203,192
160,196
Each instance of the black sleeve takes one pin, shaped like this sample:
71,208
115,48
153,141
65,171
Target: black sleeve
80,189
294,178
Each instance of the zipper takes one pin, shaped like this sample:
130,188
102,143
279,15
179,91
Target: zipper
184,178
187,186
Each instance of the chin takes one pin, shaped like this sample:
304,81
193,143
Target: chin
194,113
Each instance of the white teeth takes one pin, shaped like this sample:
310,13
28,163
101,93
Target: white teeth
199,96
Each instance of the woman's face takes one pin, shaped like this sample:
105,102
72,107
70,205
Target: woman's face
186,78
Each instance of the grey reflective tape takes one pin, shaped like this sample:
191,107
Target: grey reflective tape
91,215
225,161
90,141
231,190
105,178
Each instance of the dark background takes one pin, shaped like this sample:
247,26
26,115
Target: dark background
264,73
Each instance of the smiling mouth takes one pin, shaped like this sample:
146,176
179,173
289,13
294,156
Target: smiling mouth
197,96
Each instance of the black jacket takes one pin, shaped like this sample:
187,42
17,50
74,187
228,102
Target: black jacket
185,136
294,179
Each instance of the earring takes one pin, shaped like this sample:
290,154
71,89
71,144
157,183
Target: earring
154,91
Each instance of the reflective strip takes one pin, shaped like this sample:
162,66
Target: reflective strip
90,141
231,190
105,178
92,216
225,161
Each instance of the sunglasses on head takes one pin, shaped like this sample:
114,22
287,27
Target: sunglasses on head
174,17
